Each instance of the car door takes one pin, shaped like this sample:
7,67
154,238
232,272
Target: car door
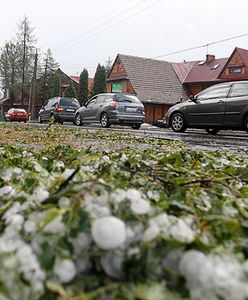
236,105
209,107
98,107
87,113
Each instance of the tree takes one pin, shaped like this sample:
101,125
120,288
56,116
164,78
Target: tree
26,40
83,90
108,65
10,65
99,85
46,71
56,92
71,91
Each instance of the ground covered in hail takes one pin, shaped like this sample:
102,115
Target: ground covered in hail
100,215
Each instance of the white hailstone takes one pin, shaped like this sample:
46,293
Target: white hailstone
30,226
108,232
65,270
112,263
64,202
55,226
133,251
161,221
153,195
151,233
40,194
106,158
59,164
13,210
139,206
118,195
180,231
123,158
6,190
16,221
213,277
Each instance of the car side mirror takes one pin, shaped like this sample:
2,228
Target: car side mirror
193,98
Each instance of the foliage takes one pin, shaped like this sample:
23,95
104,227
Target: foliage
83,89
56,85
165,222
99,85
47,69
71,91
17,59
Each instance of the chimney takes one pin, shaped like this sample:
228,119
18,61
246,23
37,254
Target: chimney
210,57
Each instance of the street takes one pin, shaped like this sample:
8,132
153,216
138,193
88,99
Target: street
230,141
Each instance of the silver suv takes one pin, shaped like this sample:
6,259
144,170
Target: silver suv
221,106
111,108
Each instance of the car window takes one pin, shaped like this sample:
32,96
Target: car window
126,98
91,101
69,102
239,89
20,110
100,99
214,93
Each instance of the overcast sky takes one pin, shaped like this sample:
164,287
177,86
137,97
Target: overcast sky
82,33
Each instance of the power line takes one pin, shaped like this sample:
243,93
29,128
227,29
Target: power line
98,23
112,25
202,46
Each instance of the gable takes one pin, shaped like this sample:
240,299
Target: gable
117,70
235,67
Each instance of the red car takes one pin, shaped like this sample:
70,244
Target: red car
16,114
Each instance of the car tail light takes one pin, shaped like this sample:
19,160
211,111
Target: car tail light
59,108
114,103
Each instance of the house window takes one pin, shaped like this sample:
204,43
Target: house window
234,70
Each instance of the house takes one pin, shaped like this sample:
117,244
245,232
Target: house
160,84
198,75
66,79
154,82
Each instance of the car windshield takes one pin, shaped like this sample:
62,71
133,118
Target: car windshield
126,98
20,110
69,102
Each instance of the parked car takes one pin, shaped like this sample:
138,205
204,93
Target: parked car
16,114
112,108
222,106
62,109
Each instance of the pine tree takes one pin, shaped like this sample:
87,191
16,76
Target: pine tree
46,71
26,40
71,91
56,92
99,85
83,91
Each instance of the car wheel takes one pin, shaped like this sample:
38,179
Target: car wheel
105,120
78,120
212,131
246,125
135,126
177,123
40,119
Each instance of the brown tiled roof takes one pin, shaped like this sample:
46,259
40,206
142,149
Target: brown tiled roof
153,80
205,71
182,69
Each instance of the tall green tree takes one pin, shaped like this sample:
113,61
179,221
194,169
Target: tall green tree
47,69
10,66
27,41
71,91
100,81
83,90
56,91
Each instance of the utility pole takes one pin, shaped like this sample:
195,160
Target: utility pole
31,103
23,61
